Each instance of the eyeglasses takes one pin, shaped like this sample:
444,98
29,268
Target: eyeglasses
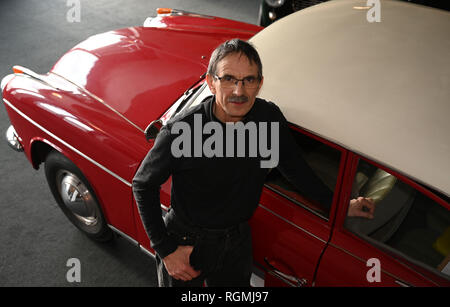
228,81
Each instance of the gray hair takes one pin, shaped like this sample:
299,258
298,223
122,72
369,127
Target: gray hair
234,46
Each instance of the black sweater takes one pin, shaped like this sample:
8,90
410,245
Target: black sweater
216,192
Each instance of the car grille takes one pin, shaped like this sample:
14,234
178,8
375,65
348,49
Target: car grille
301,4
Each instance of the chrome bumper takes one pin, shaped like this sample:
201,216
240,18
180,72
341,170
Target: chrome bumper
13,139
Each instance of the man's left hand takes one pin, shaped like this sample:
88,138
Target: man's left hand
363,207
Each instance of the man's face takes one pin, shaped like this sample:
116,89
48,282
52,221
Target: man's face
233,103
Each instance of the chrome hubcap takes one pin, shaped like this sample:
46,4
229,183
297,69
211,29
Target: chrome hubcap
77,198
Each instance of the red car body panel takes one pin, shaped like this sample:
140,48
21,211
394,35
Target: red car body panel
65,117
290,231
141,71
345,261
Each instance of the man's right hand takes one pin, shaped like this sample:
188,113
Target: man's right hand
177,264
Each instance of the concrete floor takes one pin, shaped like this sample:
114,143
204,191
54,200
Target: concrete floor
36,239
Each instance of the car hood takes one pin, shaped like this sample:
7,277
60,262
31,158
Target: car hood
140,71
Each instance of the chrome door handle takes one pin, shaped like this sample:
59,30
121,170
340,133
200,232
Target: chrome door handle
402,284
291,280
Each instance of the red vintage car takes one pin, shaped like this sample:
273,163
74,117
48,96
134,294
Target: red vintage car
367,102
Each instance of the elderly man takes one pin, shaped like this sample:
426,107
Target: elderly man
206,236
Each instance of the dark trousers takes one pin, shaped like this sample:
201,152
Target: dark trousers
223,256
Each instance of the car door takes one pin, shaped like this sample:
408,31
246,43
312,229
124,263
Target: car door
406,243
291,231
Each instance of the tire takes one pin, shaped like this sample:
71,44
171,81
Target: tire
75,196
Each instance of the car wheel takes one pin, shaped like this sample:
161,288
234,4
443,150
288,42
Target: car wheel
75,197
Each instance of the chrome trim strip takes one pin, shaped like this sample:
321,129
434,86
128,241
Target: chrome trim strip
287,281
66,144
133,241
120,233
100,100
402,284
29,73
164,207
177,12
147,252
296,202
293,224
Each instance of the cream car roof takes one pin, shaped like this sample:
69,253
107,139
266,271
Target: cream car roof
381,89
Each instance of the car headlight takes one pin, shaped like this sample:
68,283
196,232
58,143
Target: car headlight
275,3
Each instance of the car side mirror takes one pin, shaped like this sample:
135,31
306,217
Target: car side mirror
152,129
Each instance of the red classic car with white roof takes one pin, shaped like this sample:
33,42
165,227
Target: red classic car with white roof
368,102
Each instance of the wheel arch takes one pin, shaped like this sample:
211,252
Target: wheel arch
39,149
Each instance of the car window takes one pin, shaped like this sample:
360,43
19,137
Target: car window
323,159
404,220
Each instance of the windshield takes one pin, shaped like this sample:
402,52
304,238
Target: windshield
190,99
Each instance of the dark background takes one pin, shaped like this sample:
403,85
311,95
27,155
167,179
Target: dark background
36,239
